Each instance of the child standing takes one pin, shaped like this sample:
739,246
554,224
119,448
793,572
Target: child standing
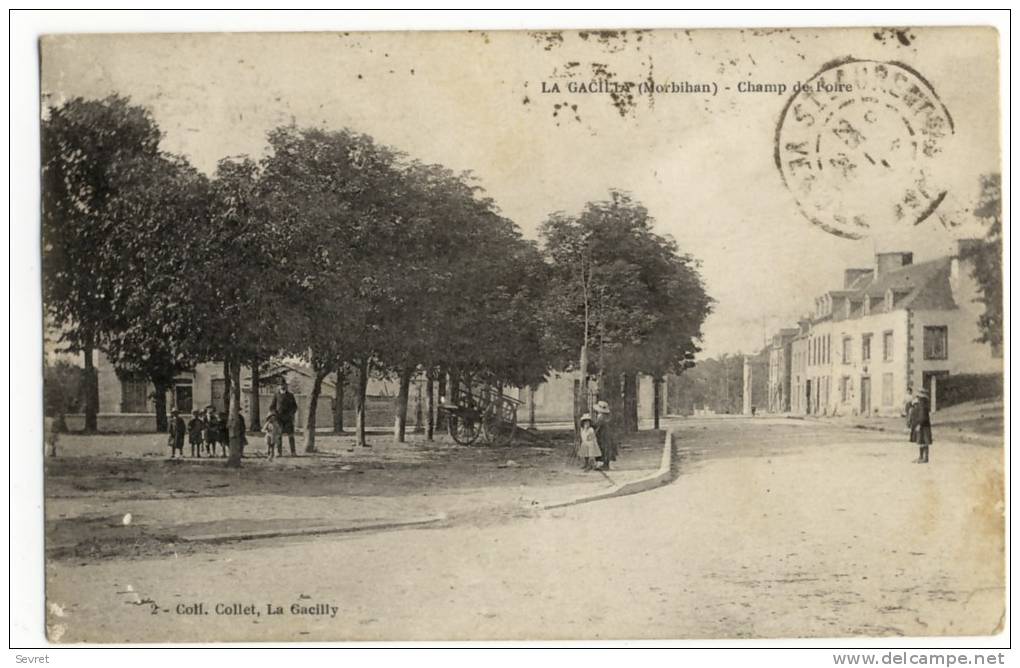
210,431
224,436
919,422
274,438
589,447
195,428
176,437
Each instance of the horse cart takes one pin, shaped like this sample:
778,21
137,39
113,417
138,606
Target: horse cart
486,413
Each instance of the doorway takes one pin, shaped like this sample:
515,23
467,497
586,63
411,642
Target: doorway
218,398
865,395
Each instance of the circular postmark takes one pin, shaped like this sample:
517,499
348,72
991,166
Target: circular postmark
858,145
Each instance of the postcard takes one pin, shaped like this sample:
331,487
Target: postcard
522,335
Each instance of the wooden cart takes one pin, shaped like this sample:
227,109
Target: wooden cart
486,413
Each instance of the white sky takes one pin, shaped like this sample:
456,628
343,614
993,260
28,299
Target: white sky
702,165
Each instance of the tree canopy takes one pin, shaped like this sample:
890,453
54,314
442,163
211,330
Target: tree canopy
345,252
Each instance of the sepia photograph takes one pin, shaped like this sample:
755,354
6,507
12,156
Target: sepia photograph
522,335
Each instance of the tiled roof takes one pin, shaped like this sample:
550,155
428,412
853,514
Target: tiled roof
913,279
918,286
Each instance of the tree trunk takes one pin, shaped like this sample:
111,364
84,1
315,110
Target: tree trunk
232,376
430,406
531,408
417,409
443,397
630,407
313,404
338,401
160,401
227,383
582,403
91,390
360,399
255,409
400,419
657,400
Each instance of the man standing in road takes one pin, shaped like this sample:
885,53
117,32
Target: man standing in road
285,406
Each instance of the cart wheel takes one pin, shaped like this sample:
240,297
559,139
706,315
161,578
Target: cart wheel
499,429
464,430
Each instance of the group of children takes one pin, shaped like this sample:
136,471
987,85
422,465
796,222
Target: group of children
204,431
208,429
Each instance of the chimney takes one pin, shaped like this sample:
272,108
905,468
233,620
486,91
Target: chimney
851,275
886,262
964,246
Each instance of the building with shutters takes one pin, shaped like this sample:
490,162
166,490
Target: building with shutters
891,328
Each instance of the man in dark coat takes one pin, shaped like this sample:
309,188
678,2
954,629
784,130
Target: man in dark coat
920,425
604,434
285,406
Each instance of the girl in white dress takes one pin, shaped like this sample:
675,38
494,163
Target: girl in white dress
588,450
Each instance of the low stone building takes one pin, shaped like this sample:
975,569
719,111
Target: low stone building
127,402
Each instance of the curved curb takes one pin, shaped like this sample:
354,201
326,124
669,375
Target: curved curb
310,531
663,475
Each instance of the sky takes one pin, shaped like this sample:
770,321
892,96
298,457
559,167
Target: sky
701,163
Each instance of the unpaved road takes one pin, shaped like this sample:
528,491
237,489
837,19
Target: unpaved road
774,528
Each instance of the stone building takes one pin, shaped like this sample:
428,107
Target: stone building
756,383
127,403
779,360
894,326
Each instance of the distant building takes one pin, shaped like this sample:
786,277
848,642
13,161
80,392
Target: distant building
756,382
891,327
780,353
553,400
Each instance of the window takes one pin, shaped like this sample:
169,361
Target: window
887,346
183,395
134,396
844,389
936,343
866,348
846,349
887,389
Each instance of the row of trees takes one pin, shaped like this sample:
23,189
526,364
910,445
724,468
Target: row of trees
717,384
342,251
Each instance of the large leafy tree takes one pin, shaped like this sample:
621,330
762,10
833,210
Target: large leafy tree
248,289
155,328
464,289
987,259
91,150
623,296
334,193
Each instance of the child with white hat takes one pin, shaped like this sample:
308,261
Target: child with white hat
588,449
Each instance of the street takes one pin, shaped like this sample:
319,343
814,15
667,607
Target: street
773,528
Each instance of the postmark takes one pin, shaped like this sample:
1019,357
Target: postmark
859,146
